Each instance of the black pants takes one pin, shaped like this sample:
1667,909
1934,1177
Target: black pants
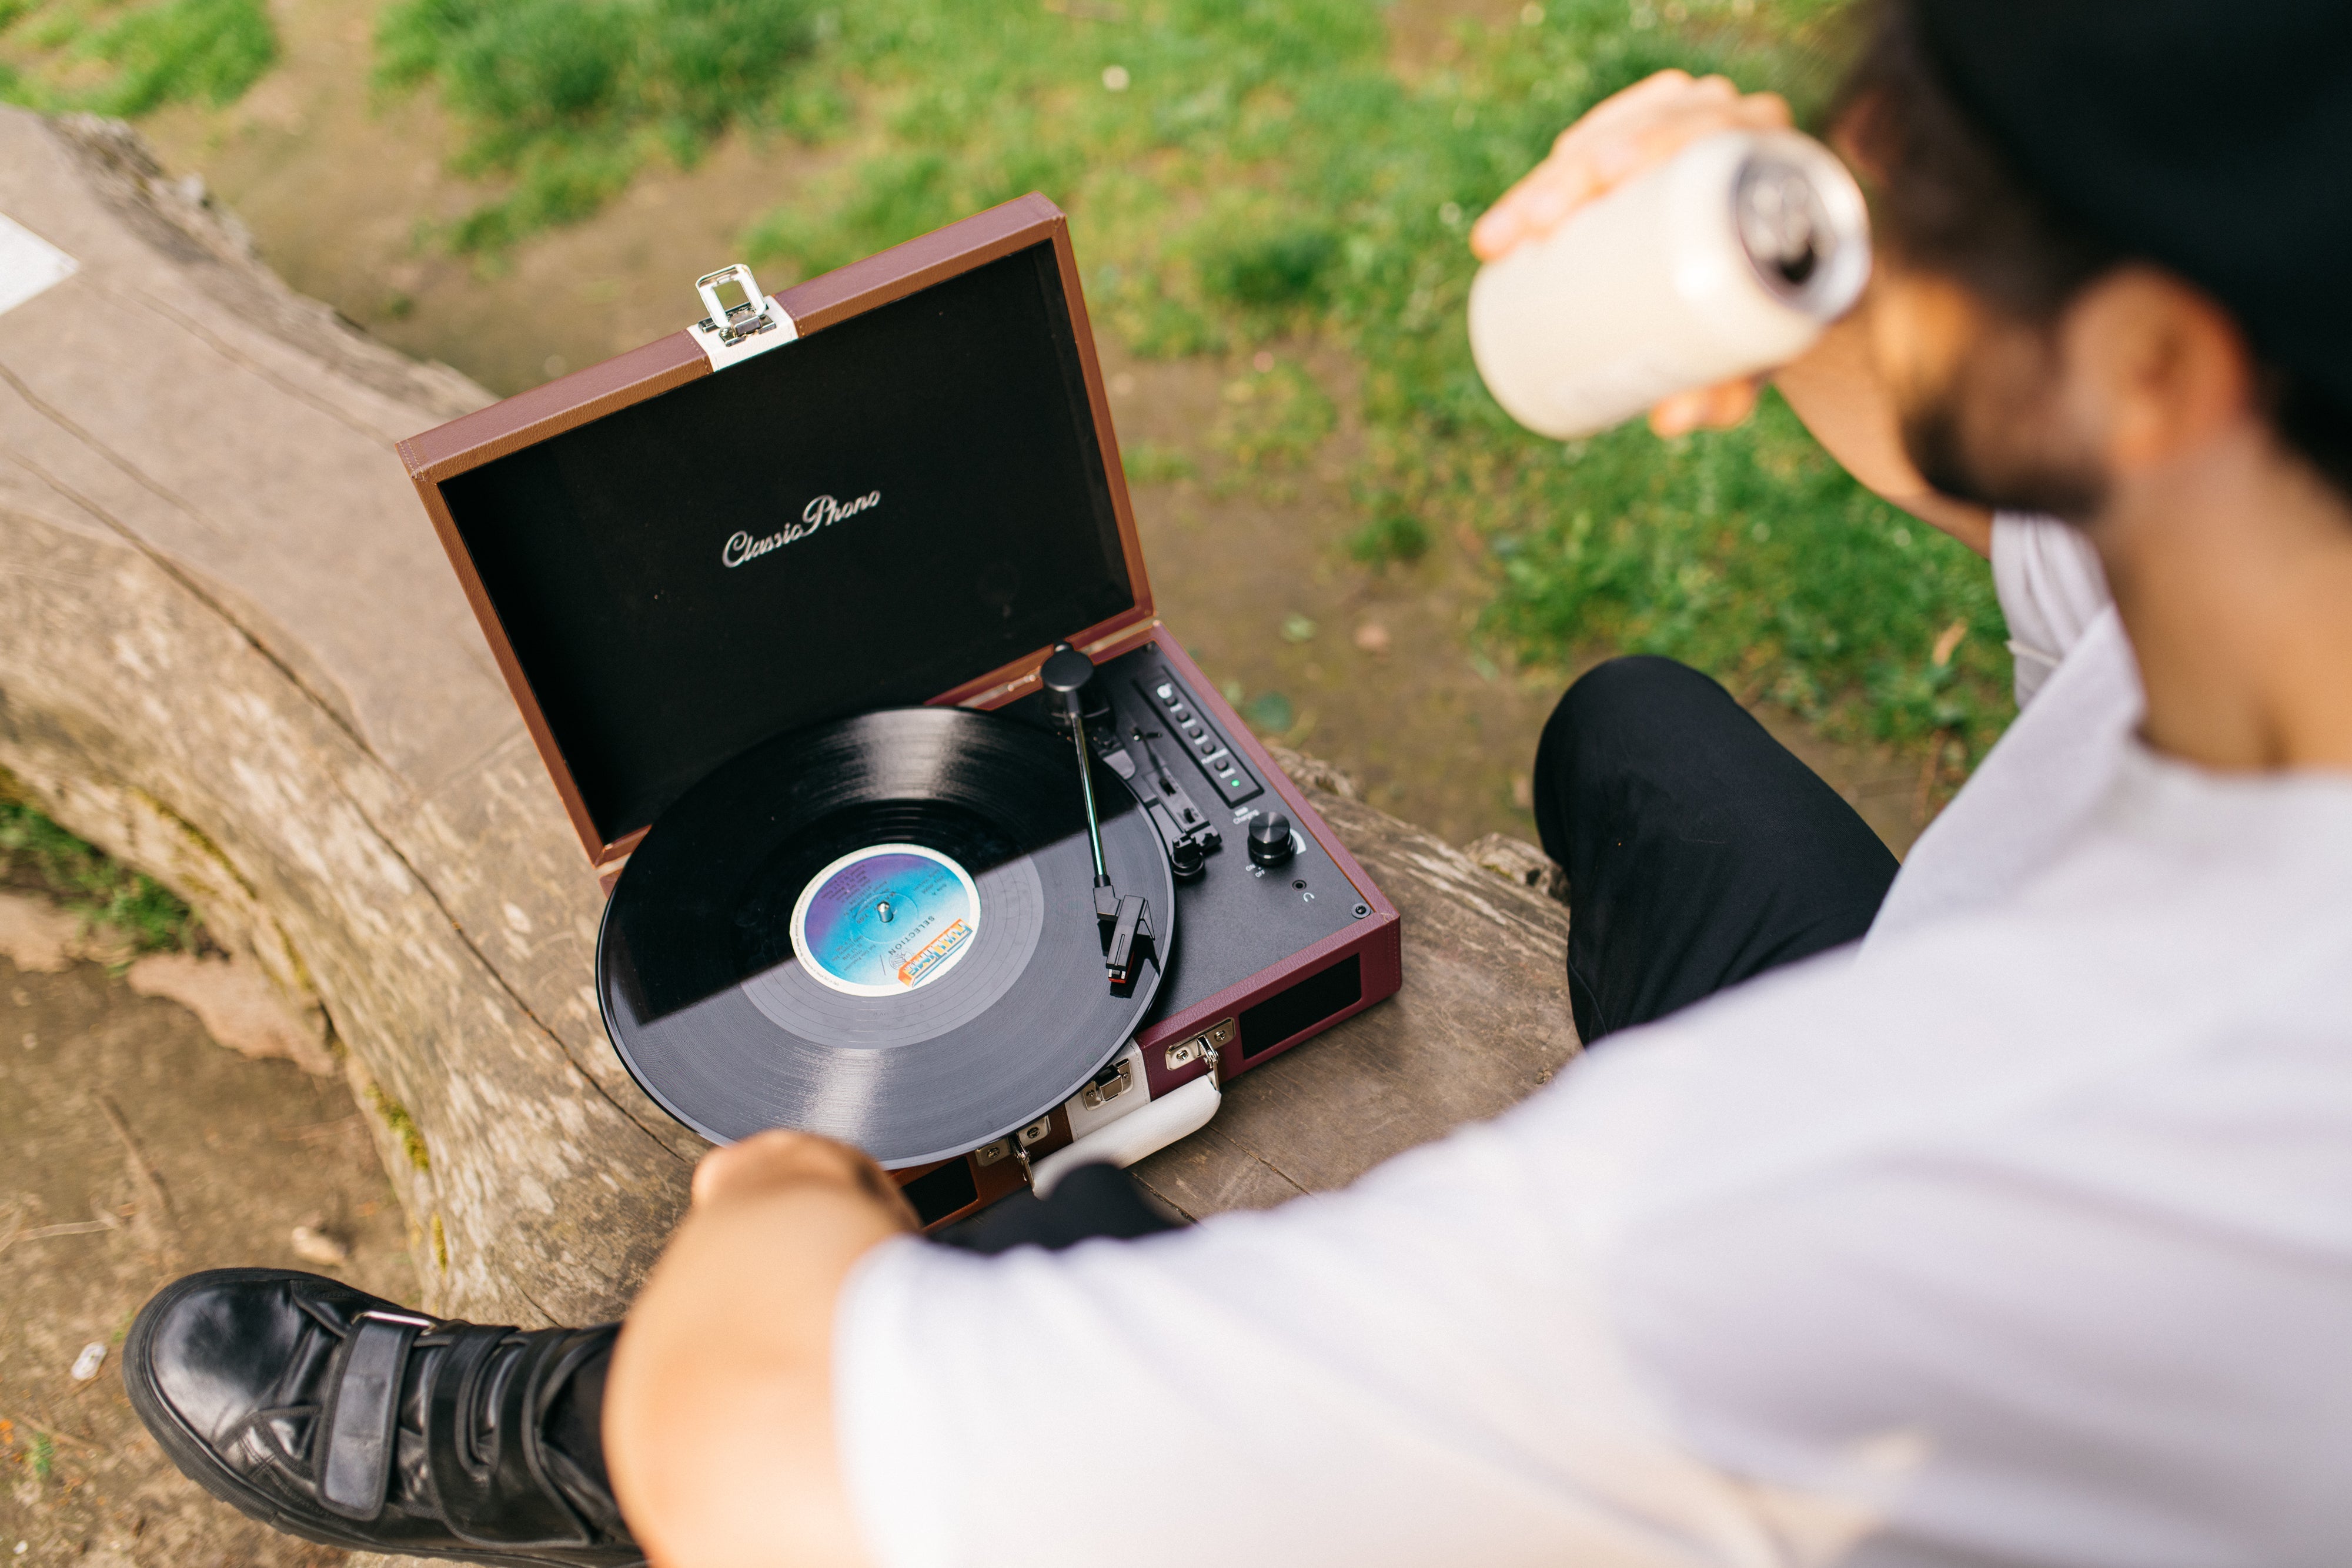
1699,853
1092,1200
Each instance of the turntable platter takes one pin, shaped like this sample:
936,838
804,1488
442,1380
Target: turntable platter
882,930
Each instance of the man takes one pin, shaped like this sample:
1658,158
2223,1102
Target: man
2021,1234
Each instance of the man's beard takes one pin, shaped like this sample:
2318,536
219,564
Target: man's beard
1992,435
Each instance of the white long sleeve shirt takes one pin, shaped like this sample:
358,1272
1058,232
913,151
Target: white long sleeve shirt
2020,1235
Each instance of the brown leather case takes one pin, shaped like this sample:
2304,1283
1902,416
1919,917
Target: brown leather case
440,462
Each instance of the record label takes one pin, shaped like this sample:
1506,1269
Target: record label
885,920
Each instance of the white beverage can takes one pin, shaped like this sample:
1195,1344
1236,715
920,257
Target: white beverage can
1728,260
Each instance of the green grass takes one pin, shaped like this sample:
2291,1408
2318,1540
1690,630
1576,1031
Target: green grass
38,855
1391,537
1248,172
1267,175
564,100
1750,554
1290,267
1153,463
60,54
1273,419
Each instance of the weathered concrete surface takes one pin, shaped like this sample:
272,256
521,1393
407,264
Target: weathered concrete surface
232,653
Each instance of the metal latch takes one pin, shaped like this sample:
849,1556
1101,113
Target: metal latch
1109,1084
729,335
1210,1043
1191,1051
1035,1132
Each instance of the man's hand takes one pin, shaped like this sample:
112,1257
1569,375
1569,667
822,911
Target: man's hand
775,1160
1622,137
1835,389
719,1411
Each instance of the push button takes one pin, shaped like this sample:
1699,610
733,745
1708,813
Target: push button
1185,717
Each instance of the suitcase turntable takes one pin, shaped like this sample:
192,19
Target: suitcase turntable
829,619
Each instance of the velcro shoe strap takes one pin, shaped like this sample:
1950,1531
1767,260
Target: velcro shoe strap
363,1406
482,1442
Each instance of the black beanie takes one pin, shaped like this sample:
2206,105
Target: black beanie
2214,137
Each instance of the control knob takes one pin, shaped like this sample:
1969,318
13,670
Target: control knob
1269,839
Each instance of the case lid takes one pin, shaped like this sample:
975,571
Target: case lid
909,503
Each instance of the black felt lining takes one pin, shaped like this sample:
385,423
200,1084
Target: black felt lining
963,408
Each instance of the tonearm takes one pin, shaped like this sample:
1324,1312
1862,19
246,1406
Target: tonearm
1125,922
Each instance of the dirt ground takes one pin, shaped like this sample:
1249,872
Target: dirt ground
137,1151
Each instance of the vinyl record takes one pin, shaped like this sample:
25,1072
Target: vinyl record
882,930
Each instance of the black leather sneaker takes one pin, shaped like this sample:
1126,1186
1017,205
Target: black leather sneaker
344,1418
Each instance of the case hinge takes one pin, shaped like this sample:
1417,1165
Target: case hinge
729,335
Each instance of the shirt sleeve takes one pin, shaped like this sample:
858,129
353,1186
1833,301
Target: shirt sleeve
2050,586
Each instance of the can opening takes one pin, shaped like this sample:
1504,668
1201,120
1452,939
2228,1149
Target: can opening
1792,231
1781,222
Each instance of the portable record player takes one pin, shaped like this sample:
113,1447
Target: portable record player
829,619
